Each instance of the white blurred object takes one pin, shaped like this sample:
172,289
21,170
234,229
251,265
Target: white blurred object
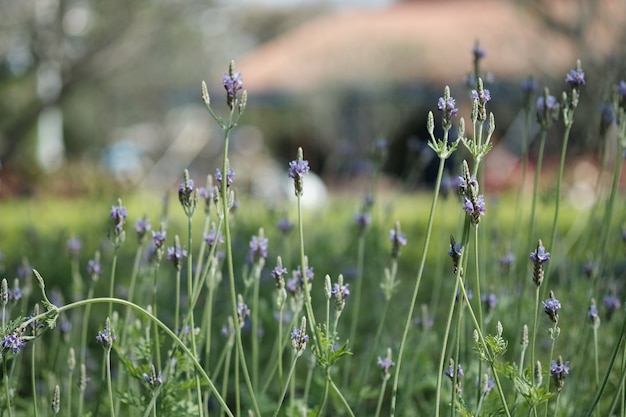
50,147
315,193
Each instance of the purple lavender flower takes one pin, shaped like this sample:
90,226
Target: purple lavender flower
74,245
106,337
529,86
298,168
589,269
258,247
611,304
176,254
232,83
24,270
340,291
292,285
397,238
447,107
93,268
559,370
475,209
507,261
118,213
551,307
207,194
296,335
478,52
385,364
309,274
621,88
551,104
483,98
158,237
13,342
592,314
186,188
459,294
299,338
490,301
230,177
153,379
575,78
455,250
142,227
279,271
213,237
362,220
540,255
461,184
450,371
426,323
16,294
284,225
242,311
608,113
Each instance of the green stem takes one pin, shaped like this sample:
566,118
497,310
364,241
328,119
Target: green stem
320,411
229,351
356,303
341,397
190,315
230,267
557,202
553,342
286,387
479,304
409,317
32,379
598,395
107,364
534,335
381,396
157,341
608,214
305,284
112,279
256,276
7,391
533,207
177,341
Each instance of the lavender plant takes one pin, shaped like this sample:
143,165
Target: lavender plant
296,345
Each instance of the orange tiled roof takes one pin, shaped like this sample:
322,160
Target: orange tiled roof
407,42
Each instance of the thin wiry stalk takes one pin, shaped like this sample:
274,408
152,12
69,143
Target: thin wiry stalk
409,317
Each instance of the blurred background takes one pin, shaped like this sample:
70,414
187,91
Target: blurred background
97,95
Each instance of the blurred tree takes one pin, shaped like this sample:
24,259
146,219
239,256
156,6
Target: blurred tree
114,63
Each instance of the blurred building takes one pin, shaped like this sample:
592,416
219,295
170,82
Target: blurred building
340,81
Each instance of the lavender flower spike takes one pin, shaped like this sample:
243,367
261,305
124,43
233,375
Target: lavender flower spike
233,83
539,256
558,370
576,76
297,170
397,239
551,307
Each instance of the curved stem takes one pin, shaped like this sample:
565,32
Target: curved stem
289,376
557,202
533,207
177,341
107,364
407,324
